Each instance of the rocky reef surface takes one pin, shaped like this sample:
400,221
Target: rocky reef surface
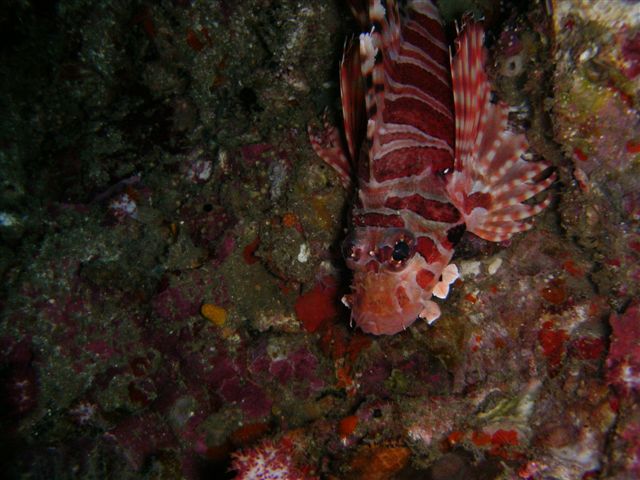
170,256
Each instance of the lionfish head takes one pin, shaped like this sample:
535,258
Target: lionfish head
392,283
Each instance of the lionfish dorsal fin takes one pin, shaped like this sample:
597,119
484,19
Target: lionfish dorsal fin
362,78
491,178
378,45
352,92
360,11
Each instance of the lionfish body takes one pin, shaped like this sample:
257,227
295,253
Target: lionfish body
430,155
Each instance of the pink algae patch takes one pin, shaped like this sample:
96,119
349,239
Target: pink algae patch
632,146
252,154
193,41
553,343
248,252
580,155
631,55
100,348
623,361
481,439
554,292
317,306
572,269
505,437
587,348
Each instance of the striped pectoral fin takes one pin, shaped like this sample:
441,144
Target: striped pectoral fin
328,144
491,179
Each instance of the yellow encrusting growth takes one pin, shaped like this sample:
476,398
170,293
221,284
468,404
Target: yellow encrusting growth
215,314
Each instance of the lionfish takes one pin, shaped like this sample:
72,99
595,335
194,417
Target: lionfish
428,150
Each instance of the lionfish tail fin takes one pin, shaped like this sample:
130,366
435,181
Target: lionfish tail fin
491,178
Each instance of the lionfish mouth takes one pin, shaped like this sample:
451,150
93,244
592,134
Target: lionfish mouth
382,306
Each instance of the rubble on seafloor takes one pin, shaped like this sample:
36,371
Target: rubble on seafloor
170,254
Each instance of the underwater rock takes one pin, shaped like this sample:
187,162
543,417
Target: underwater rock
596,121
625,457
156,163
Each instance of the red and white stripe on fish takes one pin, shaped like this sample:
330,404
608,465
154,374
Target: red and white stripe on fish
429,153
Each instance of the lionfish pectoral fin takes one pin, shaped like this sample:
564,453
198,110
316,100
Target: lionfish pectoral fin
430,312
491,179
328,145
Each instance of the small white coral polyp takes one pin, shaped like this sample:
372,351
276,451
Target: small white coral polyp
265,461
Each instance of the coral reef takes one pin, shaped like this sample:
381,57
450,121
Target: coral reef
267,461
171,266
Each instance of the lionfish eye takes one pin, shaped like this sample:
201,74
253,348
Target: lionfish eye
401,251
398,247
